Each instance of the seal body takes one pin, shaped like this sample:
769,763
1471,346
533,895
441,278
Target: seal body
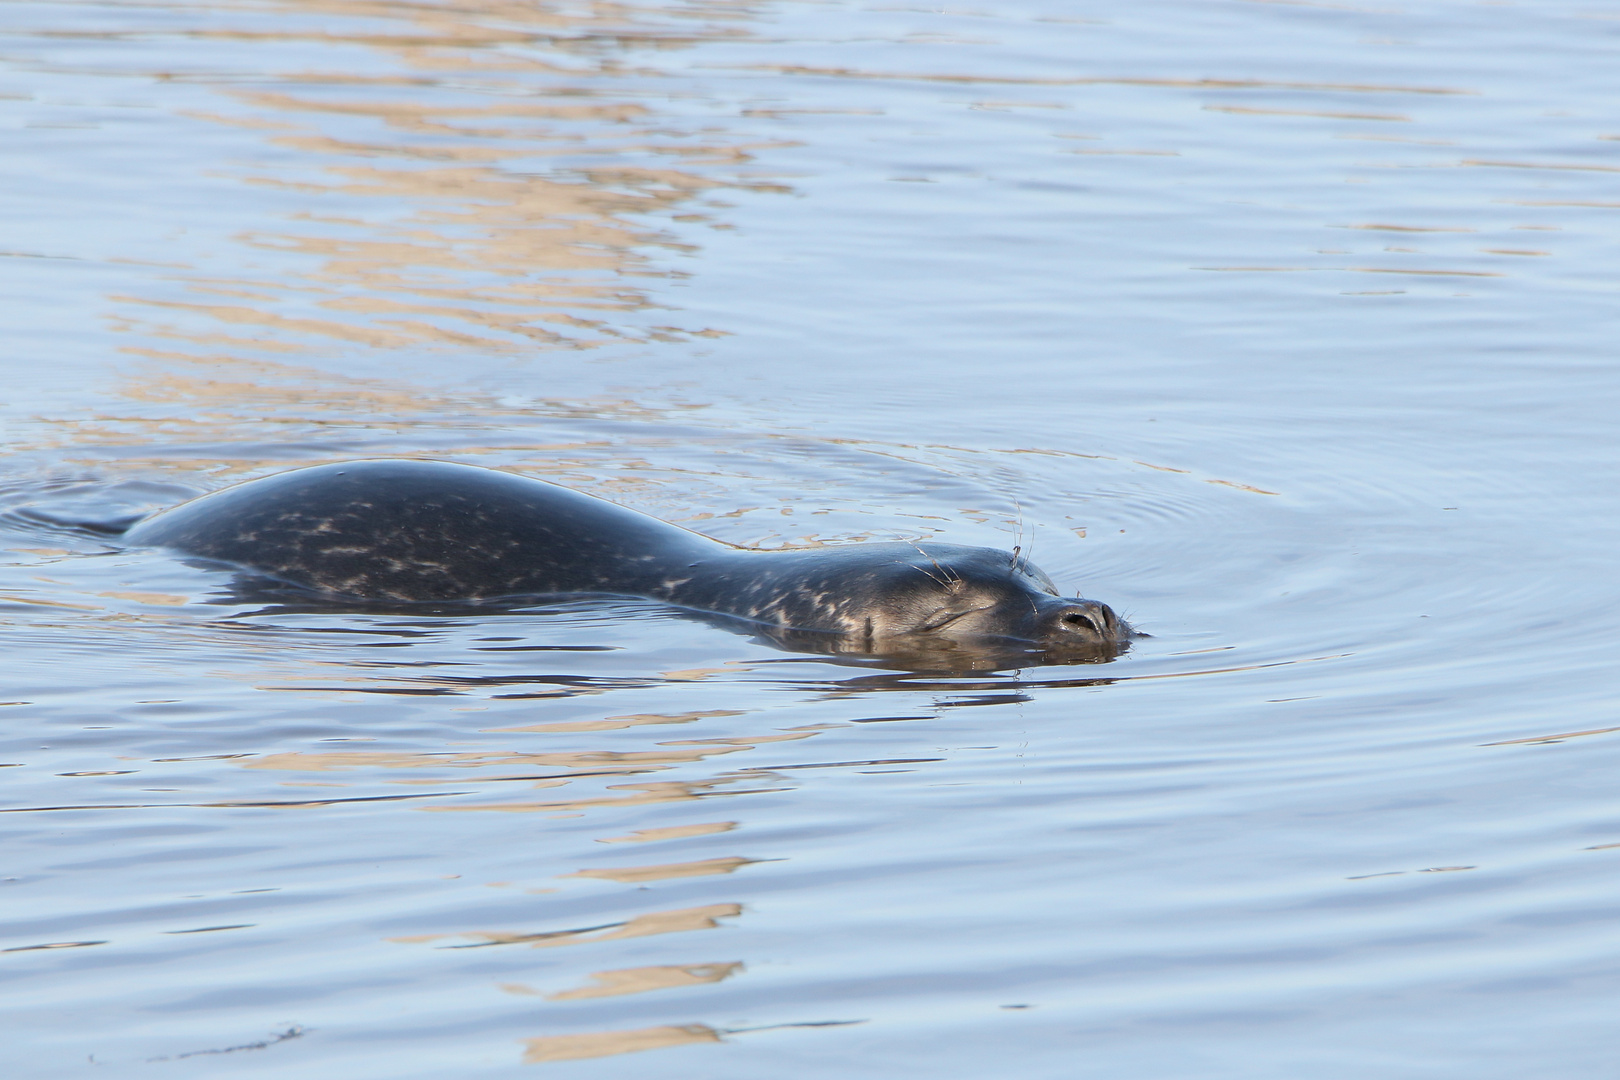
426,531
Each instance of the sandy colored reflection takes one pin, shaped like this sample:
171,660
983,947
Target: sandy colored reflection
637,874
1248,111
642,979
647,794
1410,228
1563,166
1538,739
218,399
163,599
748,740
672,832
1421,273
583,759
15,598
429,220
699,674
659,922
608,1043
619,723
498,179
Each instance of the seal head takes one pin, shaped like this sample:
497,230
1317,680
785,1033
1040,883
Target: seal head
898,598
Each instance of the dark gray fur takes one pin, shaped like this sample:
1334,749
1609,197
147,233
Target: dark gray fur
428,531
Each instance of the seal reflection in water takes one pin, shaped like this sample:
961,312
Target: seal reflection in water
426,531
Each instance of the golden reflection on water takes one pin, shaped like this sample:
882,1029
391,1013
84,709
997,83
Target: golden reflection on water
654,923
610,982
582,759
468,175
619,723
665,753
638,874
646,794
642,979
200,407
672,832
607,1043
1249,111
425,227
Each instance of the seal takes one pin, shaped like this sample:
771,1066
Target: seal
414,531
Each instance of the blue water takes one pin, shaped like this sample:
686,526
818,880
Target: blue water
1284,328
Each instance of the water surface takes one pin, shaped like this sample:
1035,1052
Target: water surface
1285,328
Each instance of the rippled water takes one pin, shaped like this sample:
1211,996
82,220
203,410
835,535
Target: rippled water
1285,328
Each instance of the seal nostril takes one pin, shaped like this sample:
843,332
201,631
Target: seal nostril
1075,621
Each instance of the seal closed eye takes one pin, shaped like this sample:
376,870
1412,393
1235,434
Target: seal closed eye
428,531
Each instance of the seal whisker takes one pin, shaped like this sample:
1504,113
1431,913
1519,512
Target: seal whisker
951,582
1018,532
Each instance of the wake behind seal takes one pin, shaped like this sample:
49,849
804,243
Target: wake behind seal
412,531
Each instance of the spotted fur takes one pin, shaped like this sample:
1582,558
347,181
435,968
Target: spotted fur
425,531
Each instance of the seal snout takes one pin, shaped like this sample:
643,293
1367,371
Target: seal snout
1081,620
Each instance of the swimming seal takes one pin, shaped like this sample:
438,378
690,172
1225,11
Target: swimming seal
429,531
